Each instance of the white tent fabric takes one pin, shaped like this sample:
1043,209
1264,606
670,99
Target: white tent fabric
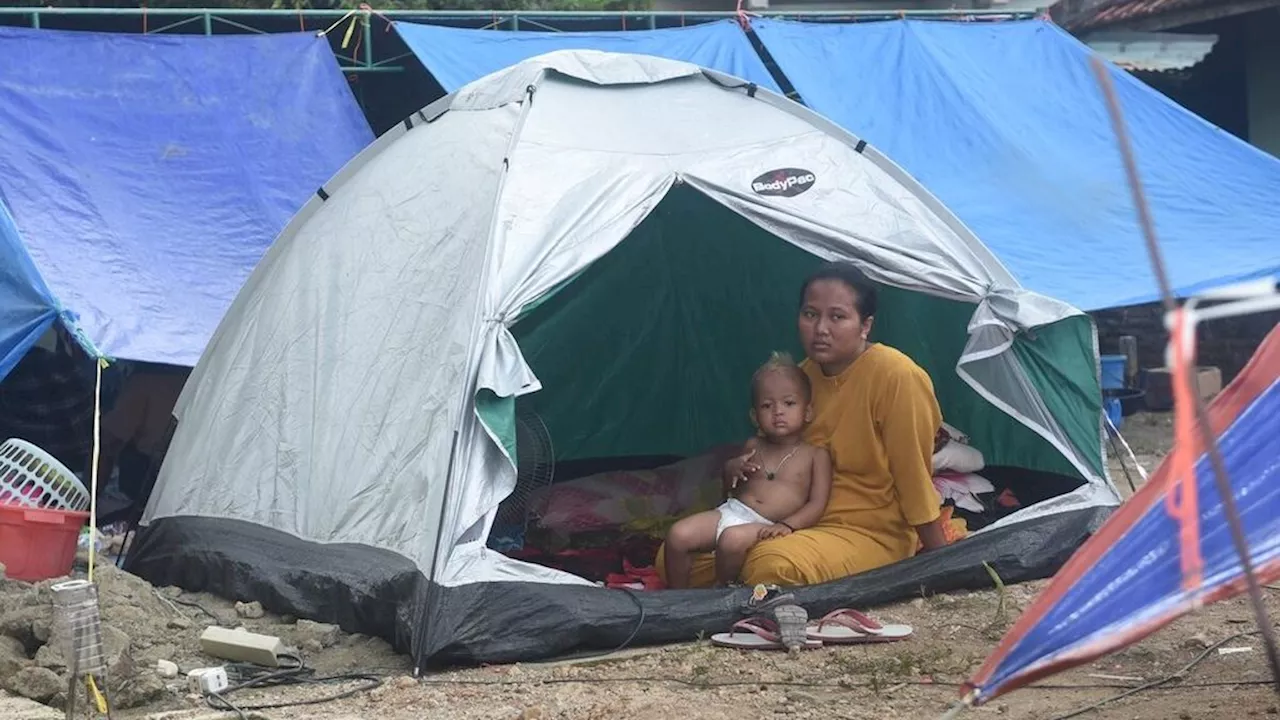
336,400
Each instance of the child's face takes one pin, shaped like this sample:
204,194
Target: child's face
781,406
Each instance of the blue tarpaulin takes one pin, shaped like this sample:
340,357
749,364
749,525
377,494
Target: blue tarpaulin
1005,123
457,56
27,308
147,174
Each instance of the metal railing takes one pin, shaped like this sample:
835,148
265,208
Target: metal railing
369,56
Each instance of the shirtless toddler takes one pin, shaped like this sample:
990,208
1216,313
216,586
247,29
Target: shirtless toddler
783,486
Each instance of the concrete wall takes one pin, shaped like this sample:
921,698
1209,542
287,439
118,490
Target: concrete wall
1263,72
1227,344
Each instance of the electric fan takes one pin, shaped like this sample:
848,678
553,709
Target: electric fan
535,468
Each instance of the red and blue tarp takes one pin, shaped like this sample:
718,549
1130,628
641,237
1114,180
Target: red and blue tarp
1128,580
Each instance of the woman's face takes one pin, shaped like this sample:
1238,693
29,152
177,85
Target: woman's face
832,331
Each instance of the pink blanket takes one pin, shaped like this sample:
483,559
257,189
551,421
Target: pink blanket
614,499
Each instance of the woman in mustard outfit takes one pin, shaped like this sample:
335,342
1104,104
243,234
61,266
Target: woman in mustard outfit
875,411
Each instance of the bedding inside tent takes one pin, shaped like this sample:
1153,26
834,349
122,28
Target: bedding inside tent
645,360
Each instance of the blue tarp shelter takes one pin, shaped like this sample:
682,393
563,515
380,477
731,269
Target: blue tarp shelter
1004,122
27,308
457,56
145,175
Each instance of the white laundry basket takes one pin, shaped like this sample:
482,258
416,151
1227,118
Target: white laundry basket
32,477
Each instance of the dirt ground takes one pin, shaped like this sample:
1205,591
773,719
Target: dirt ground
918,678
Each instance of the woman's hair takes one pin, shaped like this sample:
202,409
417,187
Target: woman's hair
864,292
781,362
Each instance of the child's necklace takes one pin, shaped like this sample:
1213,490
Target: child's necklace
769,475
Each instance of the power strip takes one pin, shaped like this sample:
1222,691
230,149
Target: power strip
207,681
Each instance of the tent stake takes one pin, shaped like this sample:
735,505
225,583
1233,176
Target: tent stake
1202,416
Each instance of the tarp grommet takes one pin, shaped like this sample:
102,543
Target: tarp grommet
322,193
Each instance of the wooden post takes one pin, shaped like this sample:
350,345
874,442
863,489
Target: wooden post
1129,348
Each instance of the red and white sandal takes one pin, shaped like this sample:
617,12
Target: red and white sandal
850,627
757,633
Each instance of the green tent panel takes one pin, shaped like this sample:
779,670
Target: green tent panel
650,351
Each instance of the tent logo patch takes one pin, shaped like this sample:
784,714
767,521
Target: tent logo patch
786,182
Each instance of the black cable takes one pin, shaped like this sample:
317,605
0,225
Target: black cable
192,604
625,643
296,673
639,621
1159,684
845,684
1162,681
227,706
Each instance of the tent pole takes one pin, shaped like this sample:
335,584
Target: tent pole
1202,416
368,38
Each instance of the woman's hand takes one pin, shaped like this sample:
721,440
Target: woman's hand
775,530
741,468
932,535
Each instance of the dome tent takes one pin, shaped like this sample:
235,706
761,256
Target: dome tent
619,239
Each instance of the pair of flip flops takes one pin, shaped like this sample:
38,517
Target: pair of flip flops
839,627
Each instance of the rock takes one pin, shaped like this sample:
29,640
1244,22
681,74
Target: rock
1199,641
796,696
50,658
162,652
3,570
132,619
166,669
115,648
36,683
288,620
250,610
313,635
28,624
13,707
533,712
13,657
119,585
404,682
141,690
42,628
171,592
180,623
